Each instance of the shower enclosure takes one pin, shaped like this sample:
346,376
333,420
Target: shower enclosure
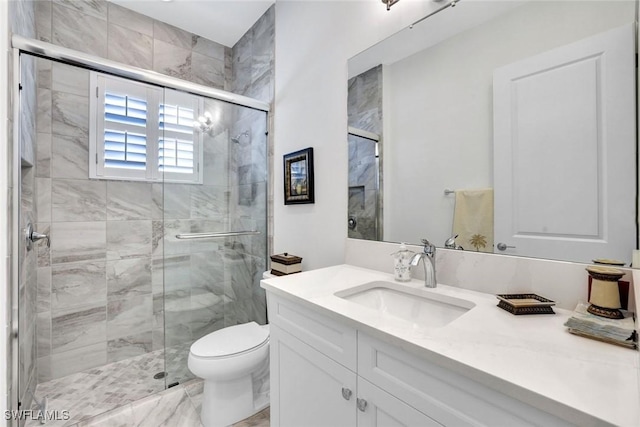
147,198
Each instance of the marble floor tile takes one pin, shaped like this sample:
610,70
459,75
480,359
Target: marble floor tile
120,417
261,419
172,408
125,394
194,389
96,391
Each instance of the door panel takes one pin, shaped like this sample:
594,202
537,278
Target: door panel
565,182
384,410
307,386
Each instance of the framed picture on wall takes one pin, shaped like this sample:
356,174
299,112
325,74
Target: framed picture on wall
298,177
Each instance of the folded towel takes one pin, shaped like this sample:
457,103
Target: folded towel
473,219
615,331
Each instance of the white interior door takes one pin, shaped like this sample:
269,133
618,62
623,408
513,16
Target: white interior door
565,151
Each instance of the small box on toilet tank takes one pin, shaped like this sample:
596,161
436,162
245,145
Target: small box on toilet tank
283,264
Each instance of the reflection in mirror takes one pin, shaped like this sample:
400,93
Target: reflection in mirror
524,110
365,172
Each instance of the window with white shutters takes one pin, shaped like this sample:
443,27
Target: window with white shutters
142,132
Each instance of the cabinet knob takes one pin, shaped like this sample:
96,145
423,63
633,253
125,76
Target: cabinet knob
346,393
361,404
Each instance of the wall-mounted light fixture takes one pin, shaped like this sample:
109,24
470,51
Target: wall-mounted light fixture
204,123
390,3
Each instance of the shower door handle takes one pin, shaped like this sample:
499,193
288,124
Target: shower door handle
32,236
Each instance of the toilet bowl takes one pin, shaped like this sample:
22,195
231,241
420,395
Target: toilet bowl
233,363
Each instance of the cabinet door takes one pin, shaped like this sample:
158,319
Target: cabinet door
377,408
307,386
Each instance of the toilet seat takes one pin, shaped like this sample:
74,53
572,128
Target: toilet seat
231,341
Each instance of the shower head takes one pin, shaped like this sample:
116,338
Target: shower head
236,139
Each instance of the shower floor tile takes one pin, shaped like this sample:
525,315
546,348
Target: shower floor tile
125,394
99,390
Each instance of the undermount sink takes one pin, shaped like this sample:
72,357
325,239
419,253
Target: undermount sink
424,309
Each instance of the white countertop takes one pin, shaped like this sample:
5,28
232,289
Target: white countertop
531,358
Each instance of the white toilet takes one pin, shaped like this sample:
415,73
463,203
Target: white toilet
228,360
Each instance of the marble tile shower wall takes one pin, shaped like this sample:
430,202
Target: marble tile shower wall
115,275
365,113
22,21
224,275
100,299
94,298
102,292
104,29
252,75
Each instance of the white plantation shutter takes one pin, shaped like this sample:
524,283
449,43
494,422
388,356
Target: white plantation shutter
179,146
125,138
142,132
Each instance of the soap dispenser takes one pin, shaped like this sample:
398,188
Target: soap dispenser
402,263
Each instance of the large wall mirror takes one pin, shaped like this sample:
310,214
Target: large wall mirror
510,124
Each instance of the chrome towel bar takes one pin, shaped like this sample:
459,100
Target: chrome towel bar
189,236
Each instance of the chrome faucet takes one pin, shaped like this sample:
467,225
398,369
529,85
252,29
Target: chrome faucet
450,243
428,252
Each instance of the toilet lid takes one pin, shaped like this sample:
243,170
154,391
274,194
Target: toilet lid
230,340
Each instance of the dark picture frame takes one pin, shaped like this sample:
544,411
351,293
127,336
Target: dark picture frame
298,177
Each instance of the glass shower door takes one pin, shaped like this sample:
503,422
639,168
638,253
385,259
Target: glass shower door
214,228
88,340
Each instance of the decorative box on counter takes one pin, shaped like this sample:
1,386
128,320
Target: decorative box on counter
283,264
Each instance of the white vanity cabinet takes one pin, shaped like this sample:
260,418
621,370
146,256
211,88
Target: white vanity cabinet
325,373
377,408
314,390
311,389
